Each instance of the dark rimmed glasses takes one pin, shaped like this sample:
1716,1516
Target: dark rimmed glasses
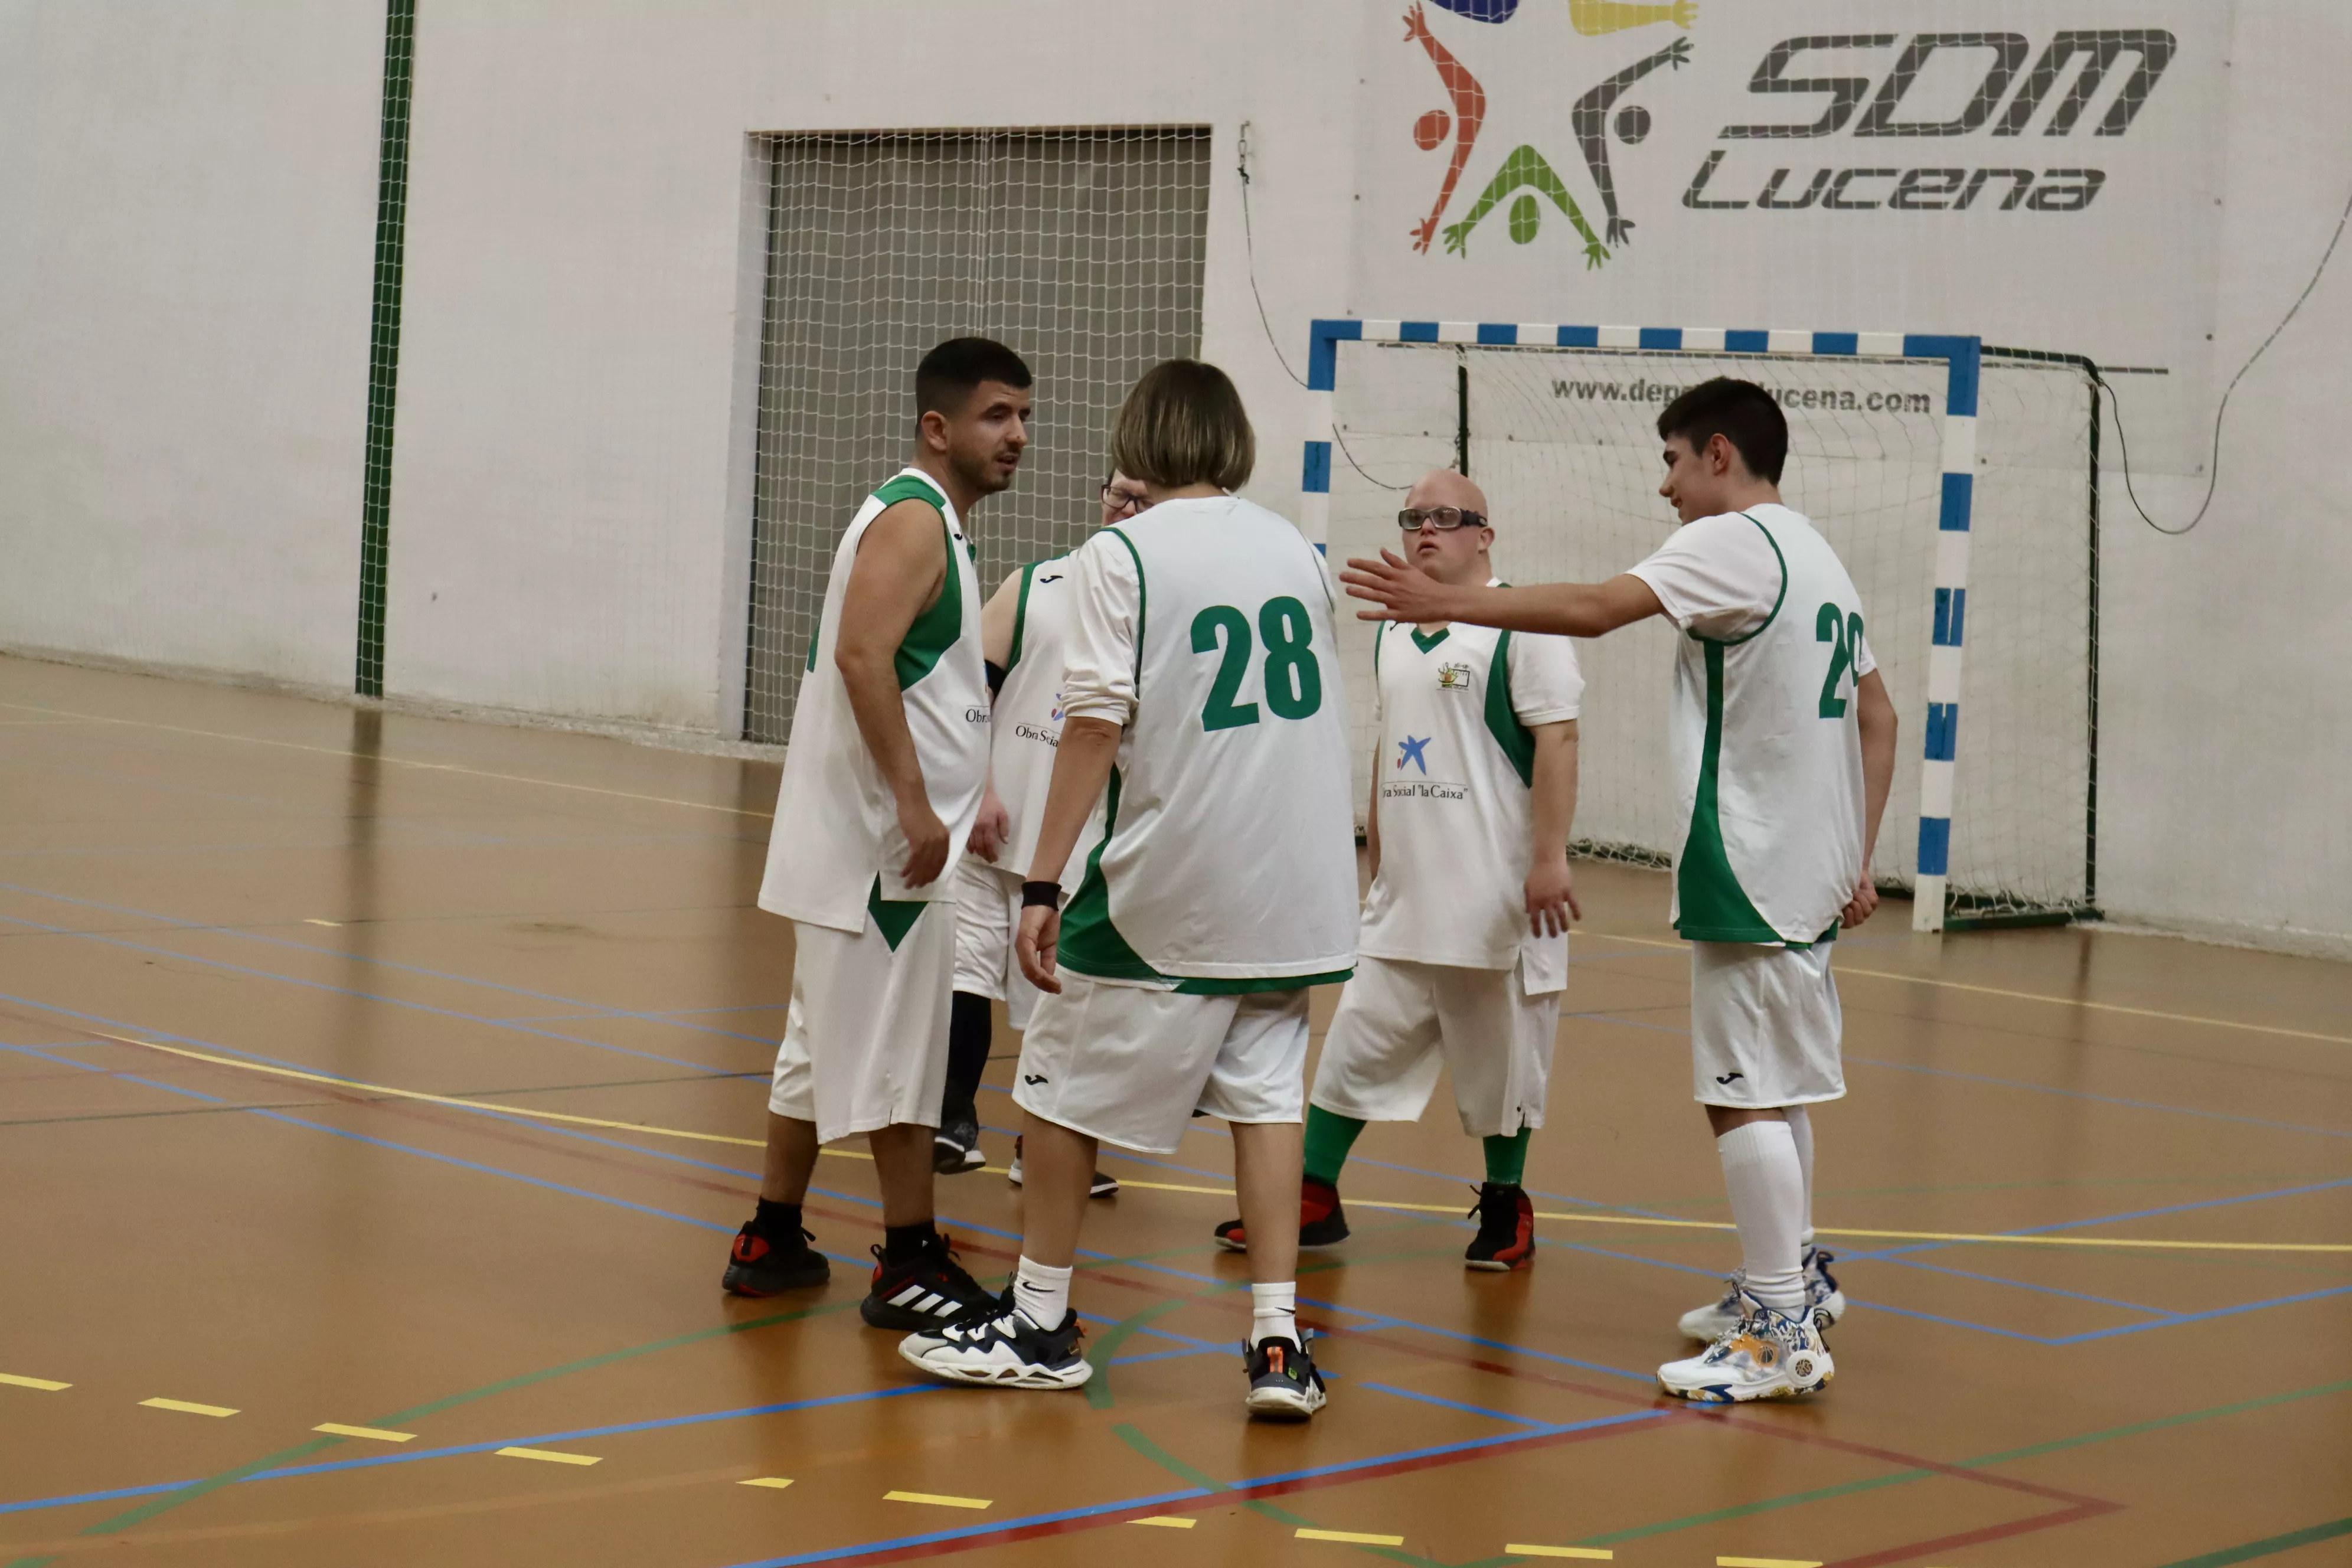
1118,501
1444,519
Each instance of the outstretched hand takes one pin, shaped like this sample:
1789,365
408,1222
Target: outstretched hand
1406,592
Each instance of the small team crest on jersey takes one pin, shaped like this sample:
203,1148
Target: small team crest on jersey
1454,677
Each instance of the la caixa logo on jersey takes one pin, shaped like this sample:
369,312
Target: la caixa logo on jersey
1636,107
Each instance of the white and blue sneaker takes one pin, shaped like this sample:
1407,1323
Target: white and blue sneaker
1765,1355
1827,1303
998,1345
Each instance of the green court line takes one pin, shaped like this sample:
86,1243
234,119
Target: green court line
190,1493
2254,1549
2035,1450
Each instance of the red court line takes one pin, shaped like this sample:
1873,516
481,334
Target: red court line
1944,1543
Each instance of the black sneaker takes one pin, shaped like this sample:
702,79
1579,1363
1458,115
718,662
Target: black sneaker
996,1344
1507,1229
1322,1221
1104,1185
1283,1383
955,1147
766,1266
923,1292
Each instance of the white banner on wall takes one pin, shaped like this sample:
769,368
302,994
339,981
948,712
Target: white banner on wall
2040,175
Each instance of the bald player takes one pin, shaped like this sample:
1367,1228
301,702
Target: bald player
1464,951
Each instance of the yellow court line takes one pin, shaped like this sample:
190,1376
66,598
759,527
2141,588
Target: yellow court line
549,1454
1349,1538
777,1482
396,762
43,1384
936,1499
374,1434
1167,1521
2034,997
186,1408
1595,1554
1634,1220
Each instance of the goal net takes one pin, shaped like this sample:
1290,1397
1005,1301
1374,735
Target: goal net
1564,442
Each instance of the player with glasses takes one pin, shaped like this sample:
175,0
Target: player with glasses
1444,519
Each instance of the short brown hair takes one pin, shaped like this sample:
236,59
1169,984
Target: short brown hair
1183,423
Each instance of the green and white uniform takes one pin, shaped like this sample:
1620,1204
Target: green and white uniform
1448,970
1768,773
865,1039
1227,870
1027,731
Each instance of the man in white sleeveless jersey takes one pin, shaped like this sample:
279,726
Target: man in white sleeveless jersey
1024,629
1464,952
1784,746
1203,687
882,780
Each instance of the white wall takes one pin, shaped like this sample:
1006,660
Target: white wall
188,196
187,211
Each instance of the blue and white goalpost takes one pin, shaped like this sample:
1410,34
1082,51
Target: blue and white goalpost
1884,439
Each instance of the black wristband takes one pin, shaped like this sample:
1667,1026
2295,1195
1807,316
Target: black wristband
1041,895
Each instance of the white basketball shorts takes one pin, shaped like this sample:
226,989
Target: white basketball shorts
988,911
1765,1026
1128,1064
866,1038
1398,1022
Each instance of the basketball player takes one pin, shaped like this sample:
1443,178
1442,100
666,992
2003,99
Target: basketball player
1022,630
1464,952
882,781
1784,747
1201,664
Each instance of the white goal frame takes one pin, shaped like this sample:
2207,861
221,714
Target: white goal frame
1962,358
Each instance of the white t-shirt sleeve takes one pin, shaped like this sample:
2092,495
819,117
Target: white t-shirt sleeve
1098,669
1865,661
1719,576
1547,687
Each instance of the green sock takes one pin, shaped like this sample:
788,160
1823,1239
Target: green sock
1329,1136
1506,1157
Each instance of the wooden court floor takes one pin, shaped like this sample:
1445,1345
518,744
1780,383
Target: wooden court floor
378,1096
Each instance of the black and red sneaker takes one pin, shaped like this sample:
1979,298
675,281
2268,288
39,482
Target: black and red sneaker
1322,1221
920,1292
1507,1229
768,1265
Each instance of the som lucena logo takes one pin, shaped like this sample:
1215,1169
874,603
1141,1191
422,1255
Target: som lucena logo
1998,174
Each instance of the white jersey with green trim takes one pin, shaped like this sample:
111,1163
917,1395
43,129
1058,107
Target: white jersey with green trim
1204,627
1766,739
1453,787
836,847
1028,721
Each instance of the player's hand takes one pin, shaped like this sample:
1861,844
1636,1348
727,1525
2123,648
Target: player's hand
991,828
927,843
1404,593
1863,903
1039,937
1551,899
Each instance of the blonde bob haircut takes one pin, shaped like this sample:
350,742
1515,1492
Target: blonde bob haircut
1183,423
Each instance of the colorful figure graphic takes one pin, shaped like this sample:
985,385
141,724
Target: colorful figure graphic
1595,17
1591,118
1469,113
1526,168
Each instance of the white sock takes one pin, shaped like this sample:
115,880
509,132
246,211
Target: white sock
1767,1182
1800,1128
1043,1293
1274,1312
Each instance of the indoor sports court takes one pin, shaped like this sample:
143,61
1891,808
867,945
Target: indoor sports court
428,439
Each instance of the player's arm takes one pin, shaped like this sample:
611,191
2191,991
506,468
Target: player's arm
1552,889
901,568
1874,715
1571,609
1373,814
995,824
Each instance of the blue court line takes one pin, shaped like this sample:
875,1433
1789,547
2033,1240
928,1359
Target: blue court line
1187,1494
172,922
2023,1285
2179,1318
2117,1218
1457,1404
2103,1099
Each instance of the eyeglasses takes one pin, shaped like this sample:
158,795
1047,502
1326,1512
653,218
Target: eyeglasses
1119,501
1444,519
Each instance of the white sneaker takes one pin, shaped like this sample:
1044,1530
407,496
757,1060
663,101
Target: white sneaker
1767,1355
1711,1322
996,1344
